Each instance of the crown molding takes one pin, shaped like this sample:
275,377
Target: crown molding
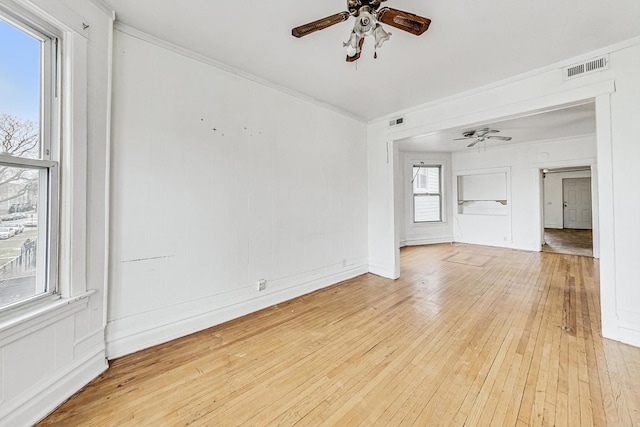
104,7
134,32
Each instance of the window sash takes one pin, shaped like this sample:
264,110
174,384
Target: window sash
47,249
423,187
45,281
424,210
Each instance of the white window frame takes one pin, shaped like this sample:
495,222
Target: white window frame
440,193
63,100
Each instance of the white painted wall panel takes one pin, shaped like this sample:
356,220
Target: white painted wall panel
219,182
625,104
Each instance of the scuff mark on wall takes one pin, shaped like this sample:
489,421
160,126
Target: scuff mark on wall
147,259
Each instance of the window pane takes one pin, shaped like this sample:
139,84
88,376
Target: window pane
21,255
20,89
427,180
426,208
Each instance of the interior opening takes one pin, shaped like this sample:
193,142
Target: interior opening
568,211
494,191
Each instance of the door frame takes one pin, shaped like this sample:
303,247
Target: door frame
595,223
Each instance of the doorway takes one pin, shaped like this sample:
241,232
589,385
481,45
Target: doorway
568,215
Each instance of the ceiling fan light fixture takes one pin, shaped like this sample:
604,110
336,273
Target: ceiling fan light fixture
351,45
366,25
380,35
368,19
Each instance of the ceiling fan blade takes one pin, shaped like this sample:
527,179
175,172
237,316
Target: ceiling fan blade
483,132
473,143
357,55
320,24
461,139
502,138
406,21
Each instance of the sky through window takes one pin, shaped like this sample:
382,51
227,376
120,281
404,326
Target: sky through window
19,73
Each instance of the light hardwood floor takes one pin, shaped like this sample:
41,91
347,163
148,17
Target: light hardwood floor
568,241
469,335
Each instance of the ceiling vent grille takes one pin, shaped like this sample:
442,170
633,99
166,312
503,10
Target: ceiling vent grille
586,67
396,122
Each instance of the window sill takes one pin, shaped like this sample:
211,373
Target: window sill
27,320
429,224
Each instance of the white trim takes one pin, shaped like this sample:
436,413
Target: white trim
124,342
606,215
104,7
529,247
428,241
514,79
595,212
26,322
73,173
43,399
629,327
55,12
522,108
107,180
384,270
133,32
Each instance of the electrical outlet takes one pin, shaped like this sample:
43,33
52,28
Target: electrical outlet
262,285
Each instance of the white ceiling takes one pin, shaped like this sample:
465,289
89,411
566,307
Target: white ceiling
469,44
560,123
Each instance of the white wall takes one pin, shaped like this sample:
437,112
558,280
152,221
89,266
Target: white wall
384,202
50,351
553,197
218,182
617,95
517,226
412,233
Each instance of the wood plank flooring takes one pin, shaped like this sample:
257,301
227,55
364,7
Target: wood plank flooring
568,241
469,335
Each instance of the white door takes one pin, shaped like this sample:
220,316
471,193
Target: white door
576,193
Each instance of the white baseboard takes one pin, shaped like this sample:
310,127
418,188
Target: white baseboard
629,327
425,241
532,247
386,271
125,342
629,336
508,245
42,399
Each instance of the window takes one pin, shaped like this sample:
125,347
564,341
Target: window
427,193
28,167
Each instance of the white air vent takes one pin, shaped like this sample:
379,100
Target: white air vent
586,67
396,122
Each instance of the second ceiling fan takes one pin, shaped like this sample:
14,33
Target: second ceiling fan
368,18
479,135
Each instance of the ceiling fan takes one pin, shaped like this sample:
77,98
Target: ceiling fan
479,135
368,18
